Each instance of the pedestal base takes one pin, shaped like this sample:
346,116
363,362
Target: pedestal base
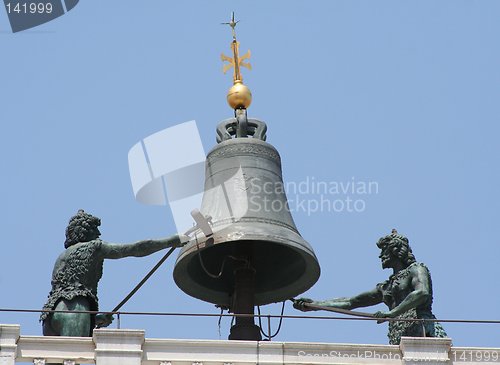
244,293
245,332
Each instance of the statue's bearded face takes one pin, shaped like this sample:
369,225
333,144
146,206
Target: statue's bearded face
387,258
93,233
395,251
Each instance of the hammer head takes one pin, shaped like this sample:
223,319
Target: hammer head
202,222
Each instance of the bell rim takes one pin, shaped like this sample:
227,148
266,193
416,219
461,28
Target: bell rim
297,244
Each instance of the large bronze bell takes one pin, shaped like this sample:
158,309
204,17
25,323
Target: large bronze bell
255,244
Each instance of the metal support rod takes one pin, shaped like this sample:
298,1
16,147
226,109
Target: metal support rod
241,123
244,297
141,283
269,328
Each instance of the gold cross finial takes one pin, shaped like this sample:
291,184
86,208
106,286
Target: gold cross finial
232,23
239,95
236,61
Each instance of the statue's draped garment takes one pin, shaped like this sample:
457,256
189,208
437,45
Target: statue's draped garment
76,274
394,291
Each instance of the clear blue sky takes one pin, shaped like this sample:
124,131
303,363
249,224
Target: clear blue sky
405,94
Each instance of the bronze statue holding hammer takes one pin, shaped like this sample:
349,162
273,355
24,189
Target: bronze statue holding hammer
407,293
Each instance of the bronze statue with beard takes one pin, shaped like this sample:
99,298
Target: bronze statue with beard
407,293
77,272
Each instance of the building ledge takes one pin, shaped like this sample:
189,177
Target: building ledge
124,347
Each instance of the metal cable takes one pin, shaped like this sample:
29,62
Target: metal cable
268,335
220,320
214,276
141,283
180,314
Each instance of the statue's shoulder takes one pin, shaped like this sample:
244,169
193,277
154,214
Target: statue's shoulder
94,246
81,250
384,285
419,267
97,243
91,245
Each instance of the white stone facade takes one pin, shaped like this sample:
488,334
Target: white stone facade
130,347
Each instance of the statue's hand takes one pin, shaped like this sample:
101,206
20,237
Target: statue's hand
103,320
381,315
299,304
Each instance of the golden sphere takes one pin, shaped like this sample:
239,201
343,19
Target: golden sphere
239,96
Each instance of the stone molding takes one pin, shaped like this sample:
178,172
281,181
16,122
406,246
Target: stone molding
432,351
9,336
130,347
118,347
56,349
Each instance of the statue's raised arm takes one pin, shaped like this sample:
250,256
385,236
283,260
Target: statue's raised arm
77,272
140,248
407,293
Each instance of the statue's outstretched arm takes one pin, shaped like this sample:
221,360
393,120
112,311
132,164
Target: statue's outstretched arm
365,299
420,293
141,248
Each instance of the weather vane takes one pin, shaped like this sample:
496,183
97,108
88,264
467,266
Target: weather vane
239,95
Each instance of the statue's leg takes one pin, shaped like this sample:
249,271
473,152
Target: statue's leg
72,324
